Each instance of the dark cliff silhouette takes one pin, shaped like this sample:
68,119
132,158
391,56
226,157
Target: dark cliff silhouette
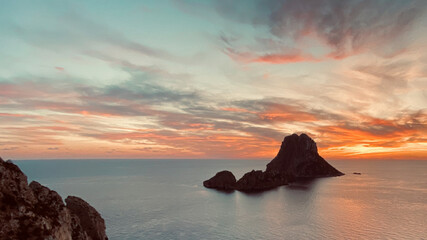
33,211
297,158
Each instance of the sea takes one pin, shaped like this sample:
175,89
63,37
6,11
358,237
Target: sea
165,199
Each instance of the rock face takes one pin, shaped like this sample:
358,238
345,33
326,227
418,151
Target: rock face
36,212
259,180
297,158
223,180
90,220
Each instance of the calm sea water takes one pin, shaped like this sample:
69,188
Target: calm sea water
165,199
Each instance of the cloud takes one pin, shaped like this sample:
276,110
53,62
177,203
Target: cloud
284,58
344,28
10,148
142,117
374,132
94,89
274,58
187,122
61,69
129,66
390,76
73,30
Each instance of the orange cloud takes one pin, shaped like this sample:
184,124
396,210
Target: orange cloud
285,113
88,113
273,58
380,139
283,58
128,125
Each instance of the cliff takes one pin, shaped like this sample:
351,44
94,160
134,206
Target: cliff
297,158
33,211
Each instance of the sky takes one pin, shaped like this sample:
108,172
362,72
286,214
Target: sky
212,79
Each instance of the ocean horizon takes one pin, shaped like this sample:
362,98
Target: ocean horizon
165,199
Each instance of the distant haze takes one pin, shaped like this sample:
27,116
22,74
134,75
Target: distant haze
212,79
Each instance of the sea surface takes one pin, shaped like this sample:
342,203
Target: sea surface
165,199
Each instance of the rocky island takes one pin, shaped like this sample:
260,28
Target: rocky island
33,211
297,158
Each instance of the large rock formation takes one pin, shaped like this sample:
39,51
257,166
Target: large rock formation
223,180
297,158
259,180
35,212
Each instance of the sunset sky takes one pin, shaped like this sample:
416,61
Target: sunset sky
212,79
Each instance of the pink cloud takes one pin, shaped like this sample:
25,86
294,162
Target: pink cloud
61,69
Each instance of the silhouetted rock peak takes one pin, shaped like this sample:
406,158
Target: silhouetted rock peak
223,180
297,158
35,212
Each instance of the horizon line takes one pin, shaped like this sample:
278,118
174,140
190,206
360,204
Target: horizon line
199,159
